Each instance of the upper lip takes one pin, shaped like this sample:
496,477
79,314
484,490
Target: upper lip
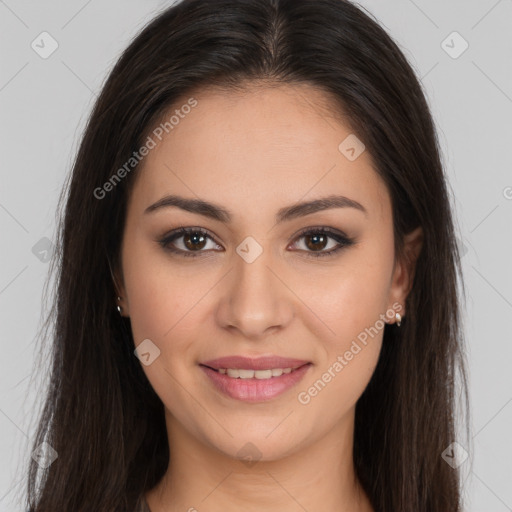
257,363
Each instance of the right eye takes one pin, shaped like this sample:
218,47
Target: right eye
193,241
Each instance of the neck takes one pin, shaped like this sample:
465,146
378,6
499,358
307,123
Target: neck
200,476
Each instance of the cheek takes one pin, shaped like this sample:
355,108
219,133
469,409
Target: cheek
156,299
149,309
337,386
166,306
159,307
351,303
347,298
354,310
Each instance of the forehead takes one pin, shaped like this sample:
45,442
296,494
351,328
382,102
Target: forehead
257,149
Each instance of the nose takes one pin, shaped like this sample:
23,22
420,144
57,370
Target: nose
256,301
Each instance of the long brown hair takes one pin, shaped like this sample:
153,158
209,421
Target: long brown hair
101,415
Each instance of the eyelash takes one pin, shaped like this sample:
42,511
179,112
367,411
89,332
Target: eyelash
343,240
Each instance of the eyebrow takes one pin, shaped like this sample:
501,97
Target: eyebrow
218,213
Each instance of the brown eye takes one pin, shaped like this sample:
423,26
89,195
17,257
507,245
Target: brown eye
188,242
318,239
316,242
194,240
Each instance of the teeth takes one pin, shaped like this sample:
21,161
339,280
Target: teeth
236,373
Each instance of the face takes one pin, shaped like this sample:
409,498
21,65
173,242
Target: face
256,274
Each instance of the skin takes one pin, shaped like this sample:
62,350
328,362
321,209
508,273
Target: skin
254,152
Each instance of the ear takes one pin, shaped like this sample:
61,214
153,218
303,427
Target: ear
119,290
403,275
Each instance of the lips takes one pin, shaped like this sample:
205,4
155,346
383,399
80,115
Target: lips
259,363
254,390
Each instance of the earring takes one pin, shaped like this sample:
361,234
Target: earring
398,319
119,308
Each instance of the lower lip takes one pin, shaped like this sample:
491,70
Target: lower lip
255,390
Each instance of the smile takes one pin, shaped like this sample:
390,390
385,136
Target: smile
255,385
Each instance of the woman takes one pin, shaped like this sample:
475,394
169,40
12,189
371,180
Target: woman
257,297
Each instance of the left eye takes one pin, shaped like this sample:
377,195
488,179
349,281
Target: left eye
194,239
315,241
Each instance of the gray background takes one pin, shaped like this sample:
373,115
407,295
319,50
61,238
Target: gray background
44,105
